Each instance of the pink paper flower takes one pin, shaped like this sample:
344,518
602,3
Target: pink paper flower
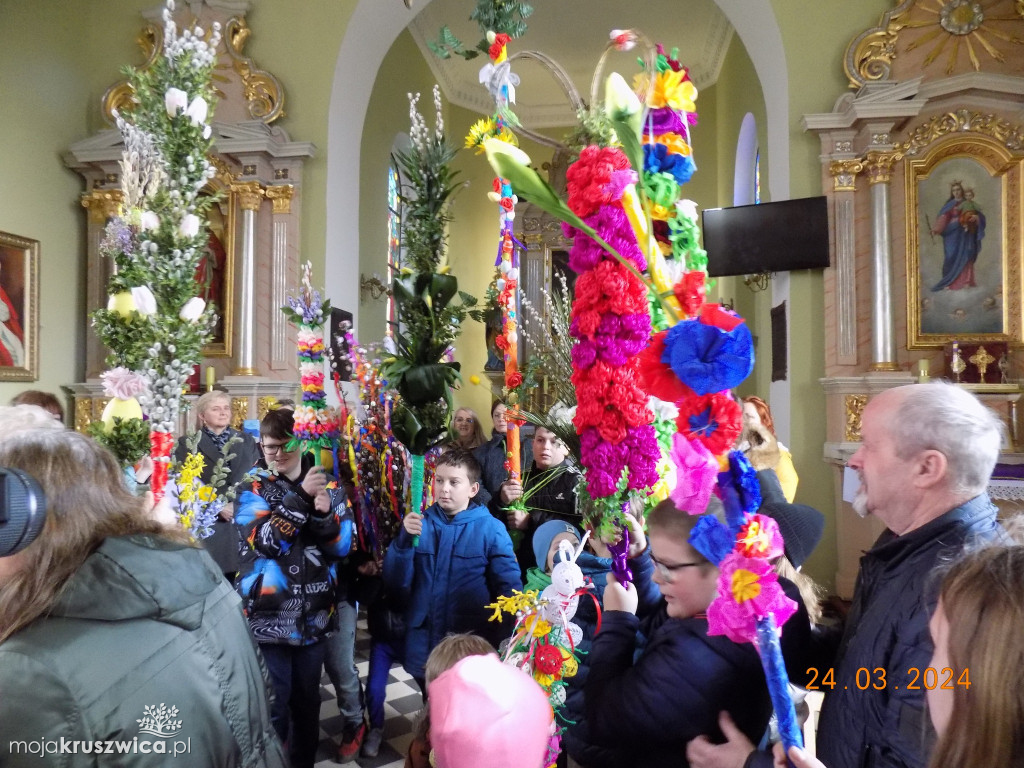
748,589
696,474
122,383
760,537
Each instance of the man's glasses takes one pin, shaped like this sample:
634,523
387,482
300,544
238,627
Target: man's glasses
272,449
667,571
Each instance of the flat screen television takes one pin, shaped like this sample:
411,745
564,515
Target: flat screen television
769,237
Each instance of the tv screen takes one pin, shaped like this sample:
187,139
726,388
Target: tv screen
769,237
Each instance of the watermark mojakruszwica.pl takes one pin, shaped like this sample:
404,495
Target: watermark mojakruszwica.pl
157,720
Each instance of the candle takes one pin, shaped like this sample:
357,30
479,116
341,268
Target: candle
922,371
211,377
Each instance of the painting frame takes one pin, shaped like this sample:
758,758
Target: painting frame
19,307
956,290
222,221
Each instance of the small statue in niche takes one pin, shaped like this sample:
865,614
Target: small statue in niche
957,364
492,329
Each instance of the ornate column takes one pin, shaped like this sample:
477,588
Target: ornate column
281,197
250,195
102,205
883,331
844,183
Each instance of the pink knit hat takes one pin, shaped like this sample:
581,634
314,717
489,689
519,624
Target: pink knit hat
485,713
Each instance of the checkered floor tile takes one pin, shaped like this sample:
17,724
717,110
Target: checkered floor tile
400,712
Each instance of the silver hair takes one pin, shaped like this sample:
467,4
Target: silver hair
18,419
207,398
949,419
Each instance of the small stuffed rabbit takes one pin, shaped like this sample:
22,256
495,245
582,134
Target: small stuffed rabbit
559,599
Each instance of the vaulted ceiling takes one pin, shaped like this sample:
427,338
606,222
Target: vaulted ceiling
574,33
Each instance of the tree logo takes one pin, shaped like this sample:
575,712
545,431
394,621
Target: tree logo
159,721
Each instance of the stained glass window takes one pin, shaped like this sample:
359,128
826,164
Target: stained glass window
394,233
757,177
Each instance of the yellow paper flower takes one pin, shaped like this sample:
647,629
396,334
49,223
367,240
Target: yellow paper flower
745,585
673,142
570,666
670,90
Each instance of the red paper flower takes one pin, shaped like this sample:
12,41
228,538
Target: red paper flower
547,659
713,314
589,177
690,292
657,378
496,185
506,203
500,41
501,342
713,419
514,380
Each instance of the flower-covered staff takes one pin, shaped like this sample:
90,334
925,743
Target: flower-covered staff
317,426
429,317
154,323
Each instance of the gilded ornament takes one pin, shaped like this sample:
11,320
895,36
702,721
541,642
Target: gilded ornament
263,91
120,96
964,121
249,194
879,165
102,204
854,411
83,414
844,174
981,360
239,410
264,405
280,195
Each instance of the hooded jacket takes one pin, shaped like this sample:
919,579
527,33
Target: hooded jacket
459,566
144,624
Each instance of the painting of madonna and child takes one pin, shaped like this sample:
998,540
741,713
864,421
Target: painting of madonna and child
960,245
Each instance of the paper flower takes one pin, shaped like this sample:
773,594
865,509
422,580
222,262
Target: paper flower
748,590
760,537
189,226
122,383
192,310
739,489
712,539
657,378
712,419
175,100
197,110
145,301
696,473
708,359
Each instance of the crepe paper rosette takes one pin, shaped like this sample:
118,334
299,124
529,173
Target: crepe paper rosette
154,323
317,425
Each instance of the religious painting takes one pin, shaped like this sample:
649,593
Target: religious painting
215,271
963,244
19,308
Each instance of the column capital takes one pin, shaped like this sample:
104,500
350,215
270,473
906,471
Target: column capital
281,196
102,204
879,166
844,174
249,194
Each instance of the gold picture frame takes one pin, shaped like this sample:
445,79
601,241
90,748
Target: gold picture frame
219,286
964,248
19,308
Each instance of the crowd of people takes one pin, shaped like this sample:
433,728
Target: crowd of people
111,614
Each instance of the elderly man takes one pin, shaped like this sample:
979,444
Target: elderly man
926,454
213,414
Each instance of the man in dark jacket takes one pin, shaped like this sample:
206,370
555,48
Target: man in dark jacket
213,414
926,455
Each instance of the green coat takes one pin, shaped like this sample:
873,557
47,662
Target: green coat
144,624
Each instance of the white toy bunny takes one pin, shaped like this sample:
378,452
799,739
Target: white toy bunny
559,600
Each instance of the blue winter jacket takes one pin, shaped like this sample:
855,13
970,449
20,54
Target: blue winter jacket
460,565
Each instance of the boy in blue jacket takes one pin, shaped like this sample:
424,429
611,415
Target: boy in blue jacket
462,561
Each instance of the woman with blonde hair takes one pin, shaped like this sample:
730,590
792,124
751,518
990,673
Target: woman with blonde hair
468,432
111,623
762,448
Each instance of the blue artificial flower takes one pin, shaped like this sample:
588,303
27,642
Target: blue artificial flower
657,159
739,490
708,359
712,539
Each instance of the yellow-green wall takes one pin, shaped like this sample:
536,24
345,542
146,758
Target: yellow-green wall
57,58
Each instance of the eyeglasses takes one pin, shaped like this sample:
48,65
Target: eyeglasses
271,449
464,419
668,572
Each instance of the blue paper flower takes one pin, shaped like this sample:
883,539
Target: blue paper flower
657,159
712,539
708,359
739,490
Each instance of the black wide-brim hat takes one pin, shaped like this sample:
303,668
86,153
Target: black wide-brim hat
801,526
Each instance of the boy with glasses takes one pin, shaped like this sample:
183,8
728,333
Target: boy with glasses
682,677
296,532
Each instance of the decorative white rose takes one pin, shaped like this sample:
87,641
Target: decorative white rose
145,301
192,310
500,284
197,110
207,131
189,225
149,221
175,100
